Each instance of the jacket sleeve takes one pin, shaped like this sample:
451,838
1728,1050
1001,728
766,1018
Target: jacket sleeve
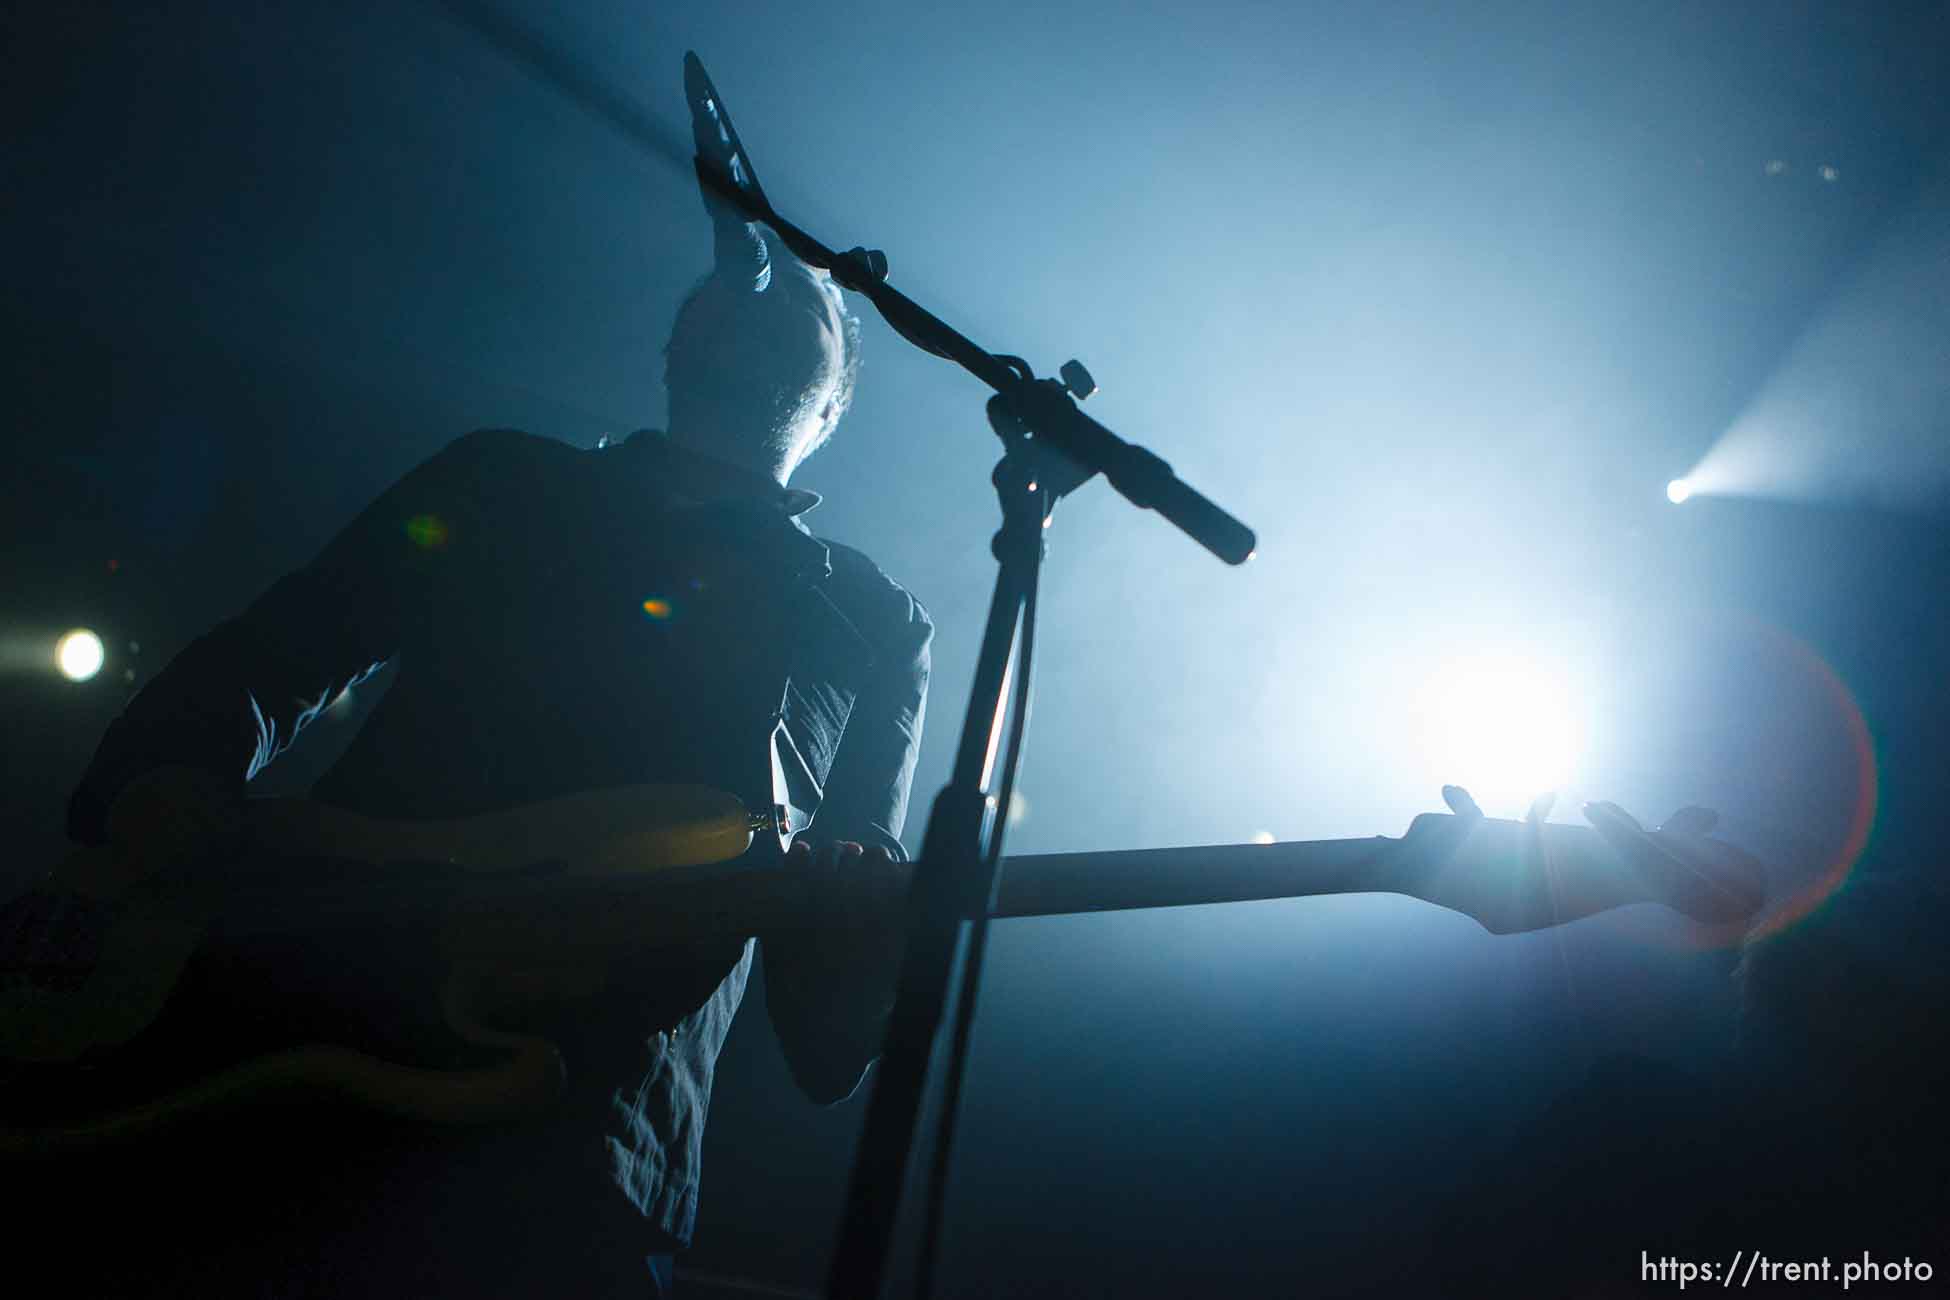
236,697
867,789
829,1012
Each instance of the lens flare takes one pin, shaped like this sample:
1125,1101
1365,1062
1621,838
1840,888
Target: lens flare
1810,862
428,532
1834,871
1678,490
1018,808
79,655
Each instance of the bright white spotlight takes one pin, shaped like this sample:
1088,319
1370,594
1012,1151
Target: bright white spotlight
79,655
1507,728
1678,490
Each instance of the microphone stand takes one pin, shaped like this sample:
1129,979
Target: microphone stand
1050,449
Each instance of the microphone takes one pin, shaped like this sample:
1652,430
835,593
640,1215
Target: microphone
738,245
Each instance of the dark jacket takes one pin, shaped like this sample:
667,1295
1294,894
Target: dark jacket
568,620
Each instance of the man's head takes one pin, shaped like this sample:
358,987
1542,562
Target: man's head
762,378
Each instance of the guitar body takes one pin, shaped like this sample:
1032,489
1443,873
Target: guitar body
126,1005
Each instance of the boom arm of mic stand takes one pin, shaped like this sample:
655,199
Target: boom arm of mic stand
1140,476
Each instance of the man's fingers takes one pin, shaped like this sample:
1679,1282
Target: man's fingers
1712,882
1692,820
1612,819
865,884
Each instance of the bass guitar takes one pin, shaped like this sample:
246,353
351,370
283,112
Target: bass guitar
550,899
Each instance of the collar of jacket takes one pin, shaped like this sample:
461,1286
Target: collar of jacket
684,465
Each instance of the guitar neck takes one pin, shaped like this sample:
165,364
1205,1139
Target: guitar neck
1050,884
1507,876
550,896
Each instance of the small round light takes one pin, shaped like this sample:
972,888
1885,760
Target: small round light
1018,808
79,655
1678,490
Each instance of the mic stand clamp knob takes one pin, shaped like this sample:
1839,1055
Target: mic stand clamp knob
1077,379
860,269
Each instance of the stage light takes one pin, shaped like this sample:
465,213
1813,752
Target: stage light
79,655
1678,490
1506,727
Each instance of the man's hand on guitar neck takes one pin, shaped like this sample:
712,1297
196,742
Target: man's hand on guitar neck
1707,879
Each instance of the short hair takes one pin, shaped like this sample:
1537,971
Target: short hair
794,285
849,374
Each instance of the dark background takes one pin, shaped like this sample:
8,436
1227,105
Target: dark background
1436,297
